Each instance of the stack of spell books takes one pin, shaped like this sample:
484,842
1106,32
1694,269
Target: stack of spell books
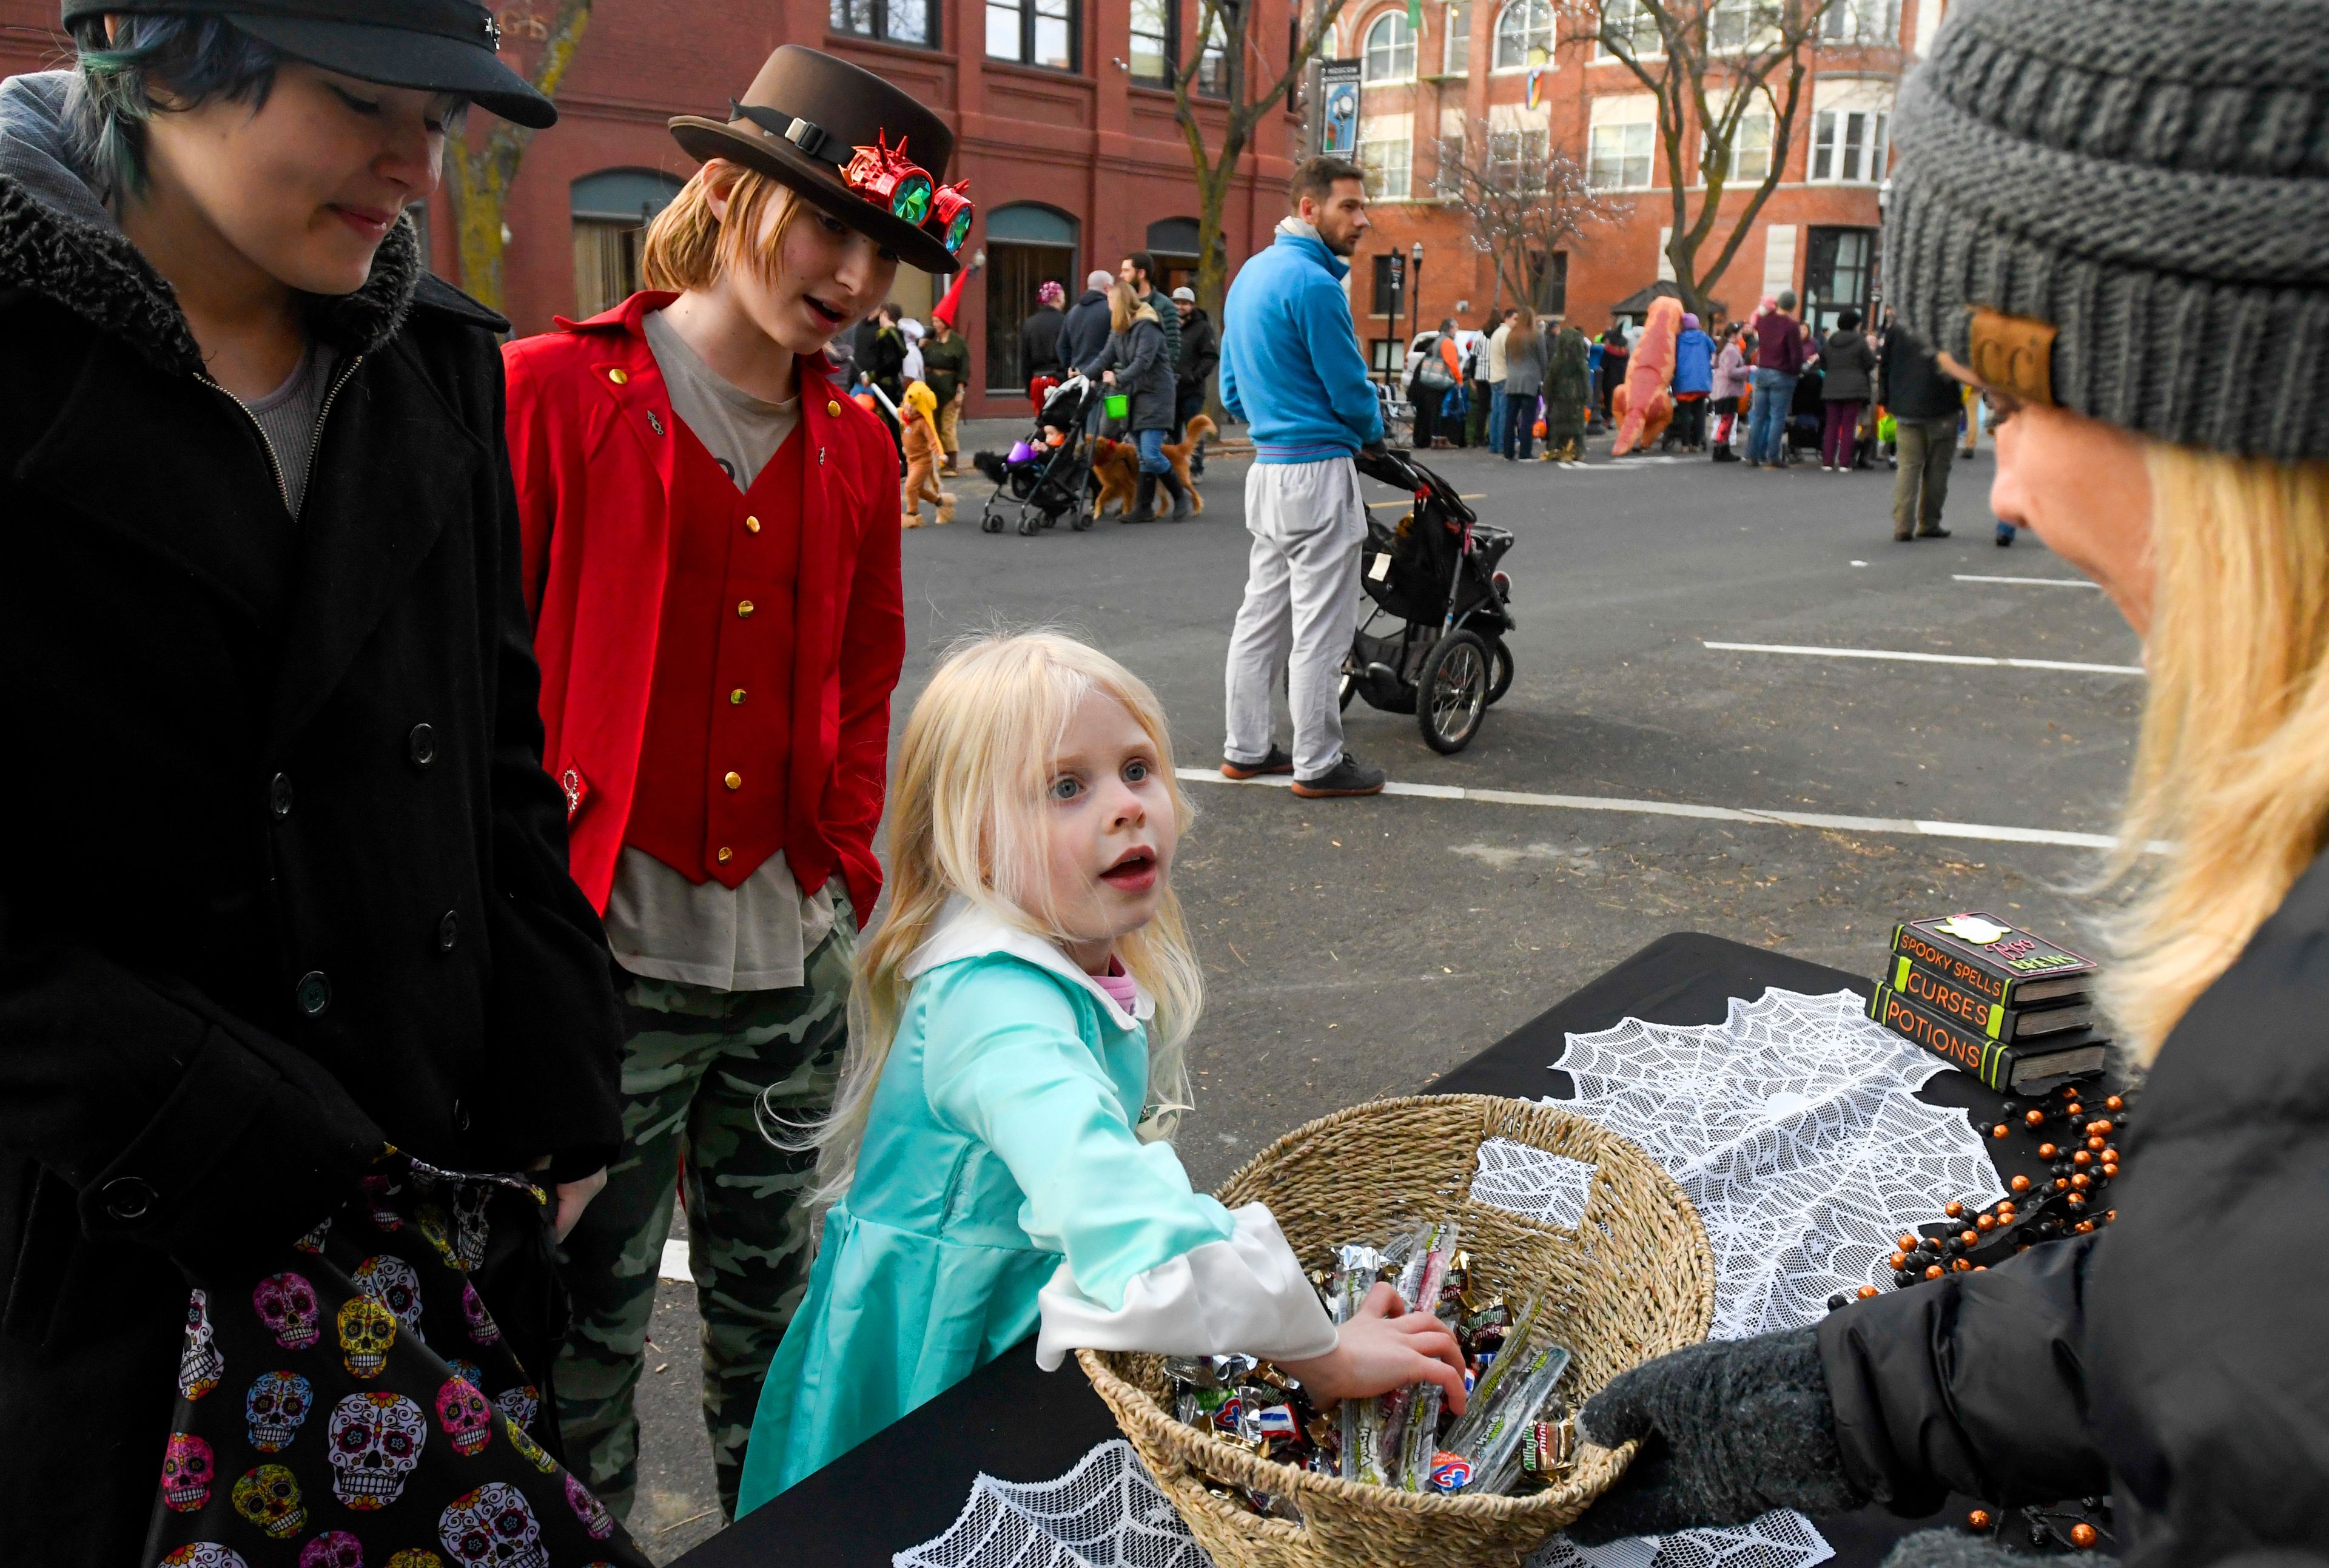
2012,1009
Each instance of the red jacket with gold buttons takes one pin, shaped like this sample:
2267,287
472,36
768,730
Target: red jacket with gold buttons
595,451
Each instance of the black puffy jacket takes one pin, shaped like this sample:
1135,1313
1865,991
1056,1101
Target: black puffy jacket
2175,1359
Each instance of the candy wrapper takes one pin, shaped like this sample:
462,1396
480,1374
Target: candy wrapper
1421,1279
1492,1430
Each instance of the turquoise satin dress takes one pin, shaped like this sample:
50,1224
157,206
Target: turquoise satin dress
1000,1142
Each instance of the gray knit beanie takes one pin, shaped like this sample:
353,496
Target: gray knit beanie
2150,178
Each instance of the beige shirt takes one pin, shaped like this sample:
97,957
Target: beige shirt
757,937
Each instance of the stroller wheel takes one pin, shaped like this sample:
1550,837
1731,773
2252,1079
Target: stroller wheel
1451,693
1083,521
1500,671
1029,522
988,522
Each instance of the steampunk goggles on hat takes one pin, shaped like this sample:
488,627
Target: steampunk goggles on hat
881,173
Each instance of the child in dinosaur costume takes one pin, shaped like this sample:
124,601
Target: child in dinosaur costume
1643,406
919,433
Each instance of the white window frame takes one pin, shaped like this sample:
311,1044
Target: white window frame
1741,14
1395,19
1621,129
1739,173
1860,24
1535,31
1455,39
1641,20
1390,163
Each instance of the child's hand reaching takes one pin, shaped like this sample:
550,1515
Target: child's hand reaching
1384,1346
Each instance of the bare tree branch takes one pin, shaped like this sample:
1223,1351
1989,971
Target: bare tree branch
1520,208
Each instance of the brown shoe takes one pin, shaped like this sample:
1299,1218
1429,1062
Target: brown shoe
1278,761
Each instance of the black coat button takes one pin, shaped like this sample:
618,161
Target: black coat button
449,930
278,795
127,1198
314,993
422,743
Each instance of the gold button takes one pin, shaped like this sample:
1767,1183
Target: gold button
752,525
618,375
734,780
832,410
726,854
737,696
744,610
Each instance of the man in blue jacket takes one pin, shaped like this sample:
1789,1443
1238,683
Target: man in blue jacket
1291,369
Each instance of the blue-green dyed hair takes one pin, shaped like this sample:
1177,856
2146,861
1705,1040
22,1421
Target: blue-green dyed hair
190,60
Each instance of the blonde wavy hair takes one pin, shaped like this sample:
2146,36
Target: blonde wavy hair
688,246
967,817
2232,767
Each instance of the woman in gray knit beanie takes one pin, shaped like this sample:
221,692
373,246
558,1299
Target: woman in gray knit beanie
2112,217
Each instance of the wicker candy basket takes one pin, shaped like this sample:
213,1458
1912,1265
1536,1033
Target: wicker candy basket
1635,1280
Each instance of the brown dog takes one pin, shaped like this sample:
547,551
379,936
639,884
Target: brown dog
1116,466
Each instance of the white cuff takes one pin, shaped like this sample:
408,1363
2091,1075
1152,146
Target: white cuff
1246,1295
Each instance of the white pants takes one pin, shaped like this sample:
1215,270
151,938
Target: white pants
1301,607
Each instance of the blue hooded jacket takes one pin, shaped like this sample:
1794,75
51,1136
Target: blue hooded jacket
1694,362
1291,367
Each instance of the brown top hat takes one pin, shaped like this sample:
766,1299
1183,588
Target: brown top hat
860,148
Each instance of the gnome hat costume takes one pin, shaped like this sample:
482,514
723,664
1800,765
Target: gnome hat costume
862,150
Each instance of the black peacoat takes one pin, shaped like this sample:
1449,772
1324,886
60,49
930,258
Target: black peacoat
285,880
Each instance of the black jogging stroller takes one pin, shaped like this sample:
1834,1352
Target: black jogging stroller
1433,640
1047,480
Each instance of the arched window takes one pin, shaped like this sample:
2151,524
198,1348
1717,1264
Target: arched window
1522,26
1390,48
612,211
1027,245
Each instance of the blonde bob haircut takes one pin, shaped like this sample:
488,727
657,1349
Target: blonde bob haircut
968,817
1124,307
2232,765
688,247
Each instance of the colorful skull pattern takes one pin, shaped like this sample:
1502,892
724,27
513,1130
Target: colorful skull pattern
483,1329
286,1304
527,1449
493,1527
468,1369
593,1513
268,1496
391,1281
367,1329
200,1365
275,1406
415,1557
313,1242
204,1554
375,1443
520,1404
332,1549
429,1219
377,1191
187,1473
467,1417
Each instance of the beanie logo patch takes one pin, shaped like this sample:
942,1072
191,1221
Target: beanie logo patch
2013,354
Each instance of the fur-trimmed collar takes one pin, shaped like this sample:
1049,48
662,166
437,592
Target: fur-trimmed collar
103,278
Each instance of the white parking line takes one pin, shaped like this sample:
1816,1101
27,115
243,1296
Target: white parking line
1988,832
675,1263
1924,658
2032,581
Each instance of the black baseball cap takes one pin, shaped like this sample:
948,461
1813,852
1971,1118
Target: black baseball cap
432,45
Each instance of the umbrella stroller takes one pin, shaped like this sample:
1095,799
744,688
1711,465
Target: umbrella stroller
1433,643
1045,474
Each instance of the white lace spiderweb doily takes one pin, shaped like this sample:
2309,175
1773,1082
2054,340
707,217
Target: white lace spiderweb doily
1793,1127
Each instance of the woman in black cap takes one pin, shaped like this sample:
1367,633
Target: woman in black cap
2112,218
287,884
712,540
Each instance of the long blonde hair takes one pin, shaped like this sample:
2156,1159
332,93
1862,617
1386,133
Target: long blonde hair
966,819
2232,767
688,247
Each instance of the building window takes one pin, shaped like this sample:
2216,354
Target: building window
1548,276
1848,145
1517,159
1213,64
1735,26
1522,26
1034,33
1750,151
1390,48
892,21
1386,163
1389,287
1839,266
1386,357
1862,22
612,211
1627,21
1027,246
1456,49
1155,33
1619,156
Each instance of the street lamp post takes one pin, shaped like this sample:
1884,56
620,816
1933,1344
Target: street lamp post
1414,288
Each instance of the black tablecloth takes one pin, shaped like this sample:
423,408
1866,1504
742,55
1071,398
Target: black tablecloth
1012,1422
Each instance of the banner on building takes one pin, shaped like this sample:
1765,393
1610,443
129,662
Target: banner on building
1338,94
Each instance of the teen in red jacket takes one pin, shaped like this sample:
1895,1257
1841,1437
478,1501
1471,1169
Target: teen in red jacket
711,532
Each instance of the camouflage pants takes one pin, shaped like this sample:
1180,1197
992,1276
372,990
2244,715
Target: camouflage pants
696,1064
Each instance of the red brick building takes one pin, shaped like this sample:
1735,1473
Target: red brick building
1816,234
1064,124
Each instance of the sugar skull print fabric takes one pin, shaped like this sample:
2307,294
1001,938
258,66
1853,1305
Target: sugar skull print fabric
355,1406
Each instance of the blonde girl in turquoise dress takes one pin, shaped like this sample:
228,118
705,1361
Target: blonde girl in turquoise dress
998,1161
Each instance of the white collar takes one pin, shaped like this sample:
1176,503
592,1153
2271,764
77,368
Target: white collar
966,929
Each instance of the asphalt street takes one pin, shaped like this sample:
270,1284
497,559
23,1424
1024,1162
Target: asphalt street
1795,799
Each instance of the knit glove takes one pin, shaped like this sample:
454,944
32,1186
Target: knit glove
1957,1549
1730,1430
